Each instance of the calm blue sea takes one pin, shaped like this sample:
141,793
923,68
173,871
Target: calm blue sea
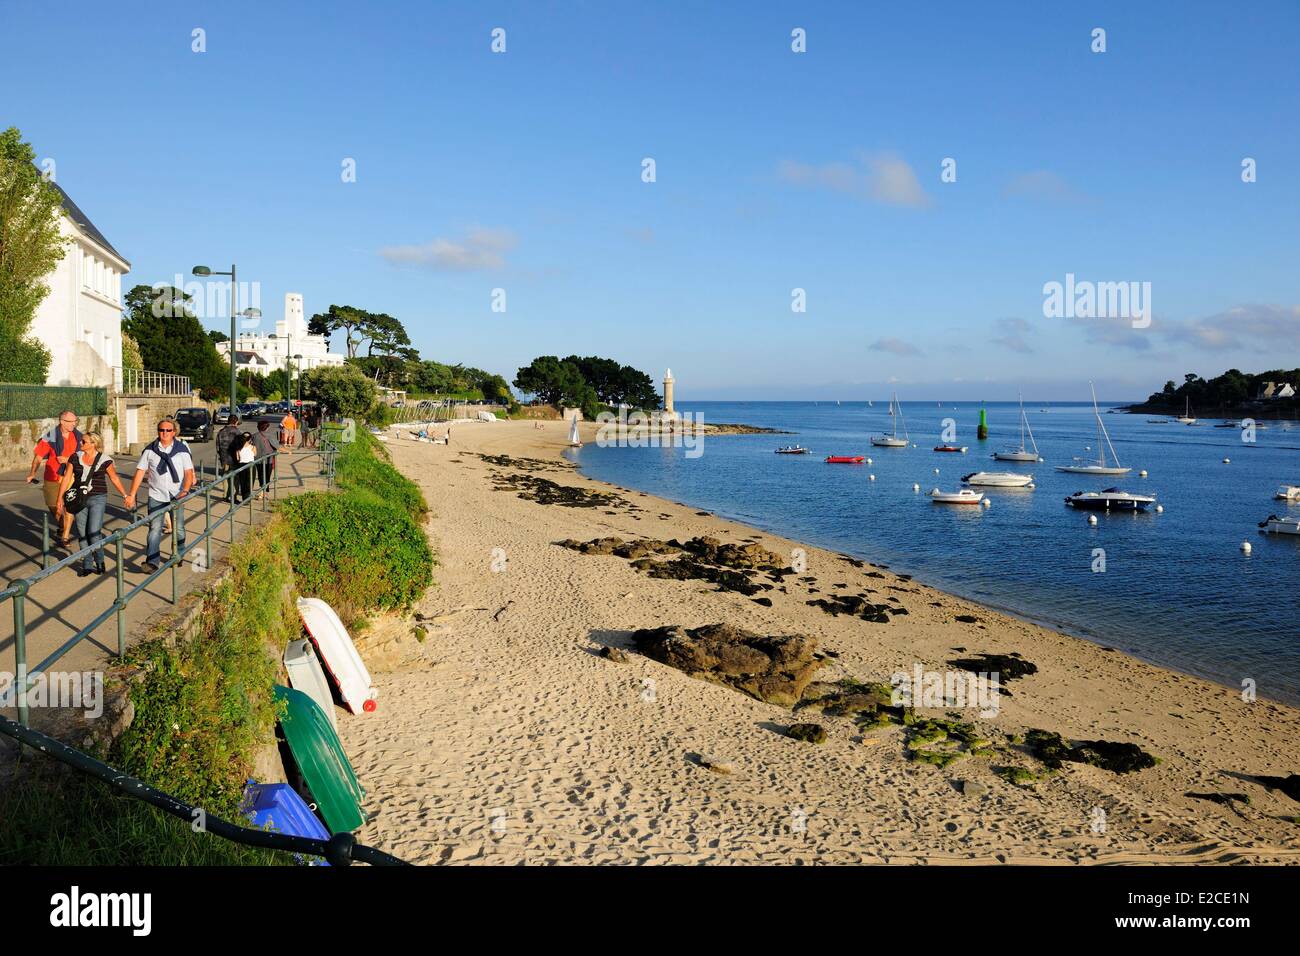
1177,591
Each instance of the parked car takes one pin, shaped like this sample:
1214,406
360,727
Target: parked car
195,423
223,415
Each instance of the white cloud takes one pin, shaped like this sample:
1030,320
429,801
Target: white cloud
1271,328
1042,185
480,249
879,177
1010,333
894,347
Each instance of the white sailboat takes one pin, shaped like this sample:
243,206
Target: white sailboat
1187,418
574,440
1020,454
893,441
1100,468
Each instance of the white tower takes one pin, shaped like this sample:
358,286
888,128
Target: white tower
668,392
294,324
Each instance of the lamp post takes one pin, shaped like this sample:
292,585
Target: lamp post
249,313
234,292
298,359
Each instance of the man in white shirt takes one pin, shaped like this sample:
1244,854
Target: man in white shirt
170,469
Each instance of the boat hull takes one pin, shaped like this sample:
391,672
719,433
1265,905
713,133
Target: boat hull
956,498
324,766
1092,470
306,675
889,442
845,460
993,479
1015,456
1104,502
339,655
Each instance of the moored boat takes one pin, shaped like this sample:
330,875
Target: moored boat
1082,467
793,450
1288,493
845,459
963,497
892,440
1275,525
1020,453
1112,499
959,449
998,479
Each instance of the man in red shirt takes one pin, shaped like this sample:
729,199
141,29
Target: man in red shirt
55,449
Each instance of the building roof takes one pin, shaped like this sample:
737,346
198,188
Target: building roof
83,222
249,358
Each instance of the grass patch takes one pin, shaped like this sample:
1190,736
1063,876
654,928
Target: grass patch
364,465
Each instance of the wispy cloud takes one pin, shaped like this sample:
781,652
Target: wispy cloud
481,249
1010,333
1116,333
1258,327
878,177
894,347
1043,186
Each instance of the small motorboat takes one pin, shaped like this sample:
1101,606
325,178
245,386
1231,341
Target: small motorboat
339,655
793,450
998,479
1157,421
1288,493
1112,499
1275,525
959,449
845,459
963,497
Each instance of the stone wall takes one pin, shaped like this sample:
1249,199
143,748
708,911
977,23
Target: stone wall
18,439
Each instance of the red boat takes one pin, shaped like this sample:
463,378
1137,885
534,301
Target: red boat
960,449
845,459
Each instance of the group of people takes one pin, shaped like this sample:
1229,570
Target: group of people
75,471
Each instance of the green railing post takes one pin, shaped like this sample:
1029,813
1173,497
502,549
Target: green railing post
207,526
45,540
175,559
20,650
119,603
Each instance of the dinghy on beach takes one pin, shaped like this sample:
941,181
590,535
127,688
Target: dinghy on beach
327,775
339,655
306,675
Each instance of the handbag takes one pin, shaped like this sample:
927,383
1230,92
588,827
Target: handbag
74,499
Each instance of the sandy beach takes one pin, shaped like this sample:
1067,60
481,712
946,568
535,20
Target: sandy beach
505,737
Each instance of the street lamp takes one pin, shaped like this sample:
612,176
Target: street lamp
298,359
234,290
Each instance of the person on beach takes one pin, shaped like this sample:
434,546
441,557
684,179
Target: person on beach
55,449
225,459
93,469
167,463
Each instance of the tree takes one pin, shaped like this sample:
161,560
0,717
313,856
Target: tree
172,340
386,334
546,377
341,389
131,357
30,247
217,336
343,317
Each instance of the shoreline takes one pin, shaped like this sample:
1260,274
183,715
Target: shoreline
513,710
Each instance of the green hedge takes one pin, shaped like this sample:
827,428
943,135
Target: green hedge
27,402
363,466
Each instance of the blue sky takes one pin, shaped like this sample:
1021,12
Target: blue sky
774,171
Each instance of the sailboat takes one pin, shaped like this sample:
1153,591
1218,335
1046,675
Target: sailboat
574,440
1100,468
1019,454
893,441
1187,418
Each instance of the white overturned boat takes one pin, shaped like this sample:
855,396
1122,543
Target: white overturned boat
1082,467
1112,499
339,655
1020,454
1275,525
893,441
963,497
305,675
998,479
1288,493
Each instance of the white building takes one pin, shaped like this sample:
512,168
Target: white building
80,321
264,353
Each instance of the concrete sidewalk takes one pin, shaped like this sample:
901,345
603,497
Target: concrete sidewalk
58,606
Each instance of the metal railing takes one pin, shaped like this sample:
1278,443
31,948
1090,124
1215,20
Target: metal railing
18,590
341,849
138,381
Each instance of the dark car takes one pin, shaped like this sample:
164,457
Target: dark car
194,423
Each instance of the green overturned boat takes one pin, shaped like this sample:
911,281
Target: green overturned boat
324,766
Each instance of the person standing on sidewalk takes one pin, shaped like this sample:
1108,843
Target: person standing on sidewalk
93,469
225,455
167,463
55,449
266,446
